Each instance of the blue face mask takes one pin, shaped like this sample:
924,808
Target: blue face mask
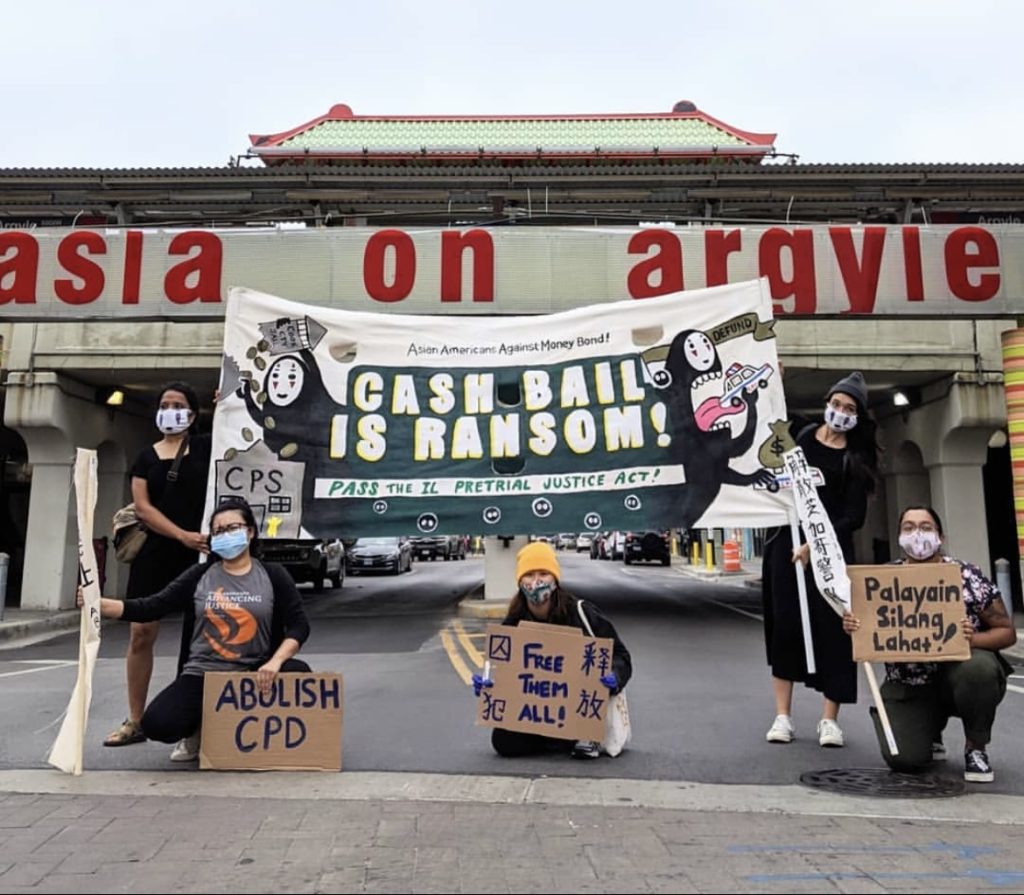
230,544
537,593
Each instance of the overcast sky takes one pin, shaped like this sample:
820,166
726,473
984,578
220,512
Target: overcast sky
134,84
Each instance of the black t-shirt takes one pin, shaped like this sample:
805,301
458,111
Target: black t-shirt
183,502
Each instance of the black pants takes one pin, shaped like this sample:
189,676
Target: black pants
968,690
177,710
515,743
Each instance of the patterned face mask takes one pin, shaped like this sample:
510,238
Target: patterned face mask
173,420
537,593
838,421
920,545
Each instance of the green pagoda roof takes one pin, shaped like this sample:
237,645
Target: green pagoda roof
340,134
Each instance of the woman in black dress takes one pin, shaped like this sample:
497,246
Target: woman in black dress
172,511
843,447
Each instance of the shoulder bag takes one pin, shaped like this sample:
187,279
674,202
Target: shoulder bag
127,532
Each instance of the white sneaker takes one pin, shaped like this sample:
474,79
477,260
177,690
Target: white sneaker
186,749
829,733
781,730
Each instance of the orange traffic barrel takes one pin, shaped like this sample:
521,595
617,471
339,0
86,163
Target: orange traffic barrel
731,557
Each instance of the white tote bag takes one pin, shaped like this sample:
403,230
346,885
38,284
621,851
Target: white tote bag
617,728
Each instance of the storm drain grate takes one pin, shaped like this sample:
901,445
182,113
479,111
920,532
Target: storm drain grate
879,782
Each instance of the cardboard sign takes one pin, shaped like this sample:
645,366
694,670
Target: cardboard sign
296,726
909,613
547,680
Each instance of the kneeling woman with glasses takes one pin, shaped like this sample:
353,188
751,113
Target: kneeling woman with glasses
246,616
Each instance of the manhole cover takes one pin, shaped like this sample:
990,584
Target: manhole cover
879,782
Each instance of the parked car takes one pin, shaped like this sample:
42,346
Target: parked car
307,559
614,545
392,555
566,541
647,546
584,540
439,547
598,545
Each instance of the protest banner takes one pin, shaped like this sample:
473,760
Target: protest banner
295,726
627,415
908,613
67,750
546,681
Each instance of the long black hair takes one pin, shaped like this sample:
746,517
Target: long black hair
862,445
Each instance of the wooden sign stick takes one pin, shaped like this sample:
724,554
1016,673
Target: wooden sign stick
883,715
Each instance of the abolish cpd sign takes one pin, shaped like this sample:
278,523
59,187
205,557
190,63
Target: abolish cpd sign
908,613
812,270
296,725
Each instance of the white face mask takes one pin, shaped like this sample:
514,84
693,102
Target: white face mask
920,545
838,421
173,420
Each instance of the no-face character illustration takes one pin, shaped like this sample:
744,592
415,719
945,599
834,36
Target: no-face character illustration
296,422
701,422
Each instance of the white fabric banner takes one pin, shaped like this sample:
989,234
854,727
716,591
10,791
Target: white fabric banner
827,563
68,748
621,416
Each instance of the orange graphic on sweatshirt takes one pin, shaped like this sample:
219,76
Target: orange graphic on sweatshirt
234,626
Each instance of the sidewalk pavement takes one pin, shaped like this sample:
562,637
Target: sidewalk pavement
111,831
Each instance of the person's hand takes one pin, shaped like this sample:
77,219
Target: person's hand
850,622
967,626
481,683
267,674
79,597
610,680
195,540
802,554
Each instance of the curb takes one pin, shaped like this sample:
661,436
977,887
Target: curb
473,605
54,623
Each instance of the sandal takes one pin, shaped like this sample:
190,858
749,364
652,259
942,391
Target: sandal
129,732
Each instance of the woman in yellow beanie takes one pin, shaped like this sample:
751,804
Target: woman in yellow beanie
541,598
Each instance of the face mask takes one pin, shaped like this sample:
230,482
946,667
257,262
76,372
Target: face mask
920,545
230,544
173,420
838,421
537,593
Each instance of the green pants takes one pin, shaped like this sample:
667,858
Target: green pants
968,690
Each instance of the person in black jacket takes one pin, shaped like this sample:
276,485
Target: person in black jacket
843,447
541,598
248,616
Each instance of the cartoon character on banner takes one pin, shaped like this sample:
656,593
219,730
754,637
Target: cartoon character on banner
702,403
294,410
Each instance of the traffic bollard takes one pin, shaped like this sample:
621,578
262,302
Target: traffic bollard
5,562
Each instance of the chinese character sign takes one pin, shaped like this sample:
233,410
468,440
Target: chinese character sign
826,558
547,680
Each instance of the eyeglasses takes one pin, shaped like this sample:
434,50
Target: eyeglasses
230,528
909,527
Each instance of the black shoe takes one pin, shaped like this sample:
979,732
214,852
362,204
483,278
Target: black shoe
586,749
977,768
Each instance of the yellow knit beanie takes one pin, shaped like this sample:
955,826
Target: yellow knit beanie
537,556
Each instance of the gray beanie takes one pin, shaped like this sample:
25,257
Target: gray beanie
854,386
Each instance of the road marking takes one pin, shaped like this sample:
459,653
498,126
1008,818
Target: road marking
753,615
40,665
1015,688
461,669
475,656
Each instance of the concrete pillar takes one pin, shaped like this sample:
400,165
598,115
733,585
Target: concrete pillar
51,544
958,494
55,415
500,566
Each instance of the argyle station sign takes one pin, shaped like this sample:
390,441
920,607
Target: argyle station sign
822,270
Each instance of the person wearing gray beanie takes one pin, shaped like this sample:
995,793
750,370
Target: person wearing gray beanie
843,447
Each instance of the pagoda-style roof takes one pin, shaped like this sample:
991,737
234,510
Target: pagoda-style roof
343,135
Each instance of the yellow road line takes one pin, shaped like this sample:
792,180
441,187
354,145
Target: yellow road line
455,658
475,656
